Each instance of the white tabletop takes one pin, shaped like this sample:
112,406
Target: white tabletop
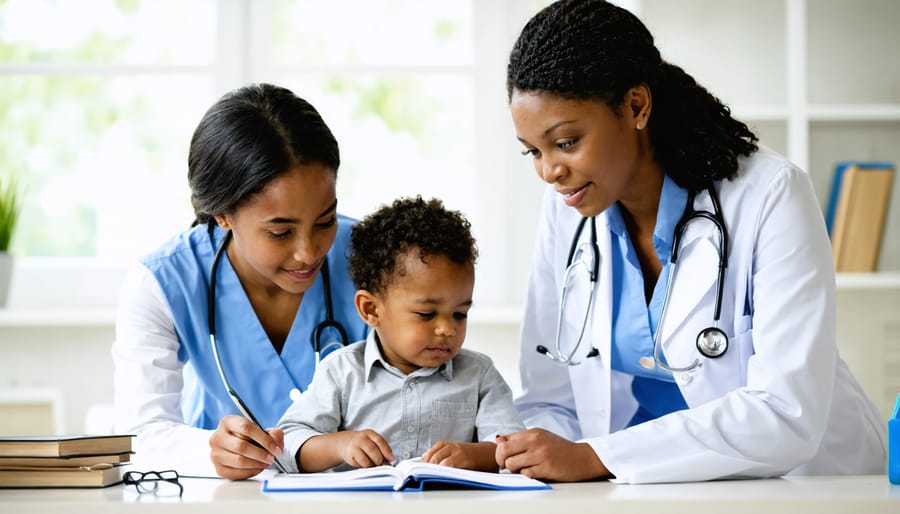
822,495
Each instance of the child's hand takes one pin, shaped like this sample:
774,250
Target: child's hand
365,448
477,456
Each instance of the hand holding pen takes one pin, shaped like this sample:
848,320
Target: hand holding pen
240,448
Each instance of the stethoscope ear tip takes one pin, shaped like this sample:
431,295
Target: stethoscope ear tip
542,349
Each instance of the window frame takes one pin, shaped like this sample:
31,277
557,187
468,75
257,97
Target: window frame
507,197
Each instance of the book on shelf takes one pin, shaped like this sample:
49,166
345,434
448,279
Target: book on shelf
64,445
407,475
102,475
856,213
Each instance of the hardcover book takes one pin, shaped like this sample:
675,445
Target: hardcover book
857,212
408,475
64,445
63,462
84,476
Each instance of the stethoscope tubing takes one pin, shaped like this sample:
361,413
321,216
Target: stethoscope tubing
329,322
689,214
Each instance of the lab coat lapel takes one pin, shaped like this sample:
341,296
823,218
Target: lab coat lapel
591,379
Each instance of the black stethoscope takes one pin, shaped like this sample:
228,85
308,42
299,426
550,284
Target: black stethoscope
329,322
711,342
318,332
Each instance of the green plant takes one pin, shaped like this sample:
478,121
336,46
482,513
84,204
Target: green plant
10,206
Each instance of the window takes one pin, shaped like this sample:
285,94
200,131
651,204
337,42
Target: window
99,98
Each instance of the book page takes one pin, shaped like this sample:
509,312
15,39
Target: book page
417,469
407,474
380,477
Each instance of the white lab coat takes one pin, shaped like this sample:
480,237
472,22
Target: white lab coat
780,400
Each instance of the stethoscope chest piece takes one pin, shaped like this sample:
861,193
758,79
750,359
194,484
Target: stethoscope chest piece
712,342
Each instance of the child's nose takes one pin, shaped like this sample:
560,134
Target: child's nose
445,328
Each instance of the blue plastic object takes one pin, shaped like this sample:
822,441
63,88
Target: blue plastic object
894,445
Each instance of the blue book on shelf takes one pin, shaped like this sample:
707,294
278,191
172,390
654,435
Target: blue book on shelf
837,180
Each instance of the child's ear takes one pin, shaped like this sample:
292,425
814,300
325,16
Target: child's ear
367,307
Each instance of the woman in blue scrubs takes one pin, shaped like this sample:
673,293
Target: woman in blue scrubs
262,170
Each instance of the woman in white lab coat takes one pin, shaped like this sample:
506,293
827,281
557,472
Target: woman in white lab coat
262,169
632,141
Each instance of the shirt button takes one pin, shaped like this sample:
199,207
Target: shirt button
684,378
294,394
647,362
411,428
406,455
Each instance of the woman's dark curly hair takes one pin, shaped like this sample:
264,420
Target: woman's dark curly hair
409,224
593,50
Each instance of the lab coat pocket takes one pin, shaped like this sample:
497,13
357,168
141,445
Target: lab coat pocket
454,421
743,341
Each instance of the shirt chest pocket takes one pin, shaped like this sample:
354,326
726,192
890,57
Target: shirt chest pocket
453,421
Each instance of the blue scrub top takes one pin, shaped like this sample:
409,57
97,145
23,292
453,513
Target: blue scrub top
260,376
634,321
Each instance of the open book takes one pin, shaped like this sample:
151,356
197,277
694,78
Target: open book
407,475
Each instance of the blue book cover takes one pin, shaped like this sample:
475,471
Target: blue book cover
837,180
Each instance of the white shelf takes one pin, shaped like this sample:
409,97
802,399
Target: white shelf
868,281
58,317
854,112
491,315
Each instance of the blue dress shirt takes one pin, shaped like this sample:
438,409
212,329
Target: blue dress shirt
634,322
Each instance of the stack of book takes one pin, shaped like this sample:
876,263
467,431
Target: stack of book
63,461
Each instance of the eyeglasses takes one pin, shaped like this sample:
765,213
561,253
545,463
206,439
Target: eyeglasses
162,483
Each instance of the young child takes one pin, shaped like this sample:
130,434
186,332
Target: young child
410,390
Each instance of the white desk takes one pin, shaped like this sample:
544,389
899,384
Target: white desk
821,495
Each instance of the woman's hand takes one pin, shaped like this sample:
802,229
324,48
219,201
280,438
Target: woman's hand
537,453
235,456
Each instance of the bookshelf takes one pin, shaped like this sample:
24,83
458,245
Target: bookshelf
820,82
818,79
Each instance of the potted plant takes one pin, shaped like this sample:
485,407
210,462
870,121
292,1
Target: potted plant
10,206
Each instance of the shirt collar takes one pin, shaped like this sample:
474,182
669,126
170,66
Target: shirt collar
374,360
672,200
671,207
